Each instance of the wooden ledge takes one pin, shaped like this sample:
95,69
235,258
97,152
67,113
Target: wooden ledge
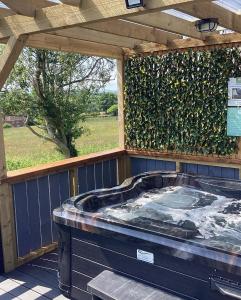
63,165
224,161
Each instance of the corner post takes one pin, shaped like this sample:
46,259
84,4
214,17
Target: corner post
10,55
8,234
120,85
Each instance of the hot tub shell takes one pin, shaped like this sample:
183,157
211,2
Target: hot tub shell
88,245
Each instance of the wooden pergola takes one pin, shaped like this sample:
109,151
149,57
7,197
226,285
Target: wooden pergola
103,28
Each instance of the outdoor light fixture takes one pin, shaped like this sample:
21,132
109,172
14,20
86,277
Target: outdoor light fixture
207,25
134,3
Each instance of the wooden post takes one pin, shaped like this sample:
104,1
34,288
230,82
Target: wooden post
73,179
7,220
6,212
120,83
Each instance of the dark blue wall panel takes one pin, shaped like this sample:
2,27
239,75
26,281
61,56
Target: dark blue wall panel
90,175
64,186
82,180
106,174
45,210
22,218
113,172
34,201
96,176
140,165
34,214
212,171
99,175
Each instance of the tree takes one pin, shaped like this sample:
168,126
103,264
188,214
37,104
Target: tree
106,100
52,89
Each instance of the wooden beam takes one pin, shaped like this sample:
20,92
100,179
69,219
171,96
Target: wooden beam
135,31
120,85
211,41
8,235
63,16
58,43
9,57
27,7
164,21
85,34
206,9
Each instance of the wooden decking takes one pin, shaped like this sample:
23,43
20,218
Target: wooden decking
35,280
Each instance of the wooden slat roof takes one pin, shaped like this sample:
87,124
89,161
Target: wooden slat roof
107,28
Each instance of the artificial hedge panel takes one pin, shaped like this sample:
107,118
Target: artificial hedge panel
178,101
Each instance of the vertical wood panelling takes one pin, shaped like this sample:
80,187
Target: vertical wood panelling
90,177
140,165
54,190
212,171
34,201
22,218
98,175
45,211
34,212
106,174
82,180
64,186
113,172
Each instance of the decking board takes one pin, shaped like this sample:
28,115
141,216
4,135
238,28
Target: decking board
35,280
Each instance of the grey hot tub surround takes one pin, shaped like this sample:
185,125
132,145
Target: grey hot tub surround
177,233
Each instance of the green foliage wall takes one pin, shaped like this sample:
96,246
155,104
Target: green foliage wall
178,101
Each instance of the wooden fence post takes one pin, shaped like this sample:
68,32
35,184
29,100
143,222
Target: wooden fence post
120,84
73,180
8,233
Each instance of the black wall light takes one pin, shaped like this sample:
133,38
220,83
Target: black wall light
207,25
134,3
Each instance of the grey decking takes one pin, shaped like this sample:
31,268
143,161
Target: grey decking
36,280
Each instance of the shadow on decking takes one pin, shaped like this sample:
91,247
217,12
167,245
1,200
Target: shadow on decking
35,280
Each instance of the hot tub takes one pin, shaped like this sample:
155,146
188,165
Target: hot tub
176,232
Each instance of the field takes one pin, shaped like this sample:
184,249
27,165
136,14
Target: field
23,149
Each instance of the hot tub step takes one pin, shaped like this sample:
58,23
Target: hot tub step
108,286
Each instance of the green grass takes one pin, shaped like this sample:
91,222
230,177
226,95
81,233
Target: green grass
23,149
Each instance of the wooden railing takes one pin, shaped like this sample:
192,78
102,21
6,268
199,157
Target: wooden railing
33,193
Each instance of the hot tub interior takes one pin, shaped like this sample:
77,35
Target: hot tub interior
198,209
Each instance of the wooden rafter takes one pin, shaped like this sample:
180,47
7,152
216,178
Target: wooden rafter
135,31
58,43
64,16
26,7
204,9
98,37
169,23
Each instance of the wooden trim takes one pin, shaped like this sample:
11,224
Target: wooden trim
35,254
29,173
121,118
73,179
185,158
